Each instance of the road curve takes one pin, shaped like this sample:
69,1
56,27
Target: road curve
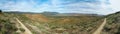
98,31
27,31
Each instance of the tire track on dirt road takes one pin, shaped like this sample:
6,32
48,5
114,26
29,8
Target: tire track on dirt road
98,31
27,31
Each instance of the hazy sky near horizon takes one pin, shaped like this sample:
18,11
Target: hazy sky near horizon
63,6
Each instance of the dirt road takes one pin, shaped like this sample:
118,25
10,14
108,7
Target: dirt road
27,31
100,27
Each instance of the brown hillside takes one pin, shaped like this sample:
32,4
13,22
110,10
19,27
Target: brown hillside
37,17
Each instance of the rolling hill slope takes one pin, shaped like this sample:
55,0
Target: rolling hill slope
42,24
37,17
113,24
60,24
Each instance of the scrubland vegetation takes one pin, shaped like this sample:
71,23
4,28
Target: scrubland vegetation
61,24
8,24
113,24
44,24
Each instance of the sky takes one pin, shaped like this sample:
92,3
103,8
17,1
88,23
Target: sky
103,7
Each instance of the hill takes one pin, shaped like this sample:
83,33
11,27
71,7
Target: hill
9,25
49,13
113,24
37,17
44,24
60,24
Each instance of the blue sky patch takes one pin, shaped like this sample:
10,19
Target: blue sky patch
62,6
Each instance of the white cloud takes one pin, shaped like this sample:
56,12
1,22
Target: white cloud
115,4
18,6
32,6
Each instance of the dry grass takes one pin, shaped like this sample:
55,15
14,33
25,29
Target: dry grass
37,17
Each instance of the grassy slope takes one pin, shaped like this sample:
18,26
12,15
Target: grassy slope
57,24
7,24
113,24
63,24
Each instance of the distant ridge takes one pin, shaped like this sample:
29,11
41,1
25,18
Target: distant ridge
54,13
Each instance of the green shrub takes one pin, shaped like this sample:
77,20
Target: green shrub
21,29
